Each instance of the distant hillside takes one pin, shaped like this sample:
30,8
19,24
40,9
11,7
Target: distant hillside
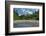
27,16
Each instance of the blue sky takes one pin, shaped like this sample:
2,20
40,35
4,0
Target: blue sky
24,11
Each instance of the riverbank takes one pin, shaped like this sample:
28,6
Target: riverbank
20,21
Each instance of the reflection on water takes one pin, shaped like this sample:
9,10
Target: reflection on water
26,24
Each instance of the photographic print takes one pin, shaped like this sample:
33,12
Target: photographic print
24,17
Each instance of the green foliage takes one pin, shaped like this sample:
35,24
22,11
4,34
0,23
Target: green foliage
34,16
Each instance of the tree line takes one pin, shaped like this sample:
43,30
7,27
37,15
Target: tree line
34,16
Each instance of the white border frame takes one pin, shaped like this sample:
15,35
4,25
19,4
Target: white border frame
29,28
